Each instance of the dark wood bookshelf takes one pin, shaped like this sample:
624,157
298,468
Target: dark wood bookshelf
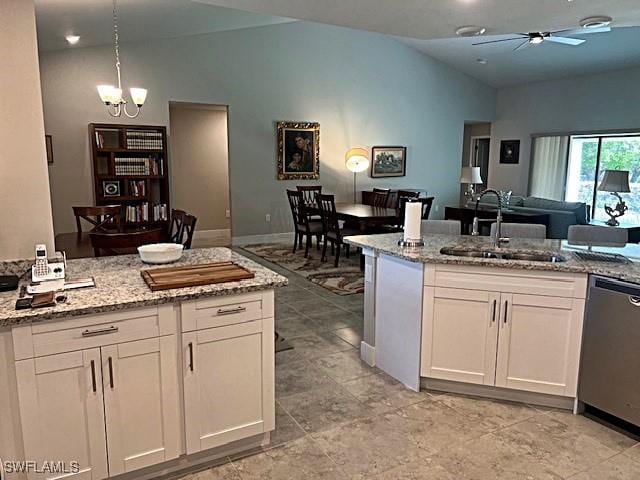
146,164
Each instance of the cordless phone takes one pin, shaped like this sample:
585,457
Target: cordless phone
43,270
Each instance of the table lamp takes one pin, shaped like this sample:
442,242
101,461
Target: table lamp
615,181
471,177
356,160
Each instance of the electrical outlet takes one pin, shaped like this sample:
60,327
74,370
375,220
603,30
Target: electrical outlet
267,217
227,213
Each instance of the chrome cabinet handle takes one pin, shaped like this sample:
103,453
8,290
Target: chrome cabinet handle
110,373
635,301
191,356
229,311
93,376
506,307
102,331
493,311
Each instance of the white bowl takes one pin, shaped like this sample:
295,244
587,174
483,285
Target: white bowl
159,253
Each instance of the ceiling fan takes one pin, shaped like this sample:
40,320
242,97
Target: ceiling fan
559,36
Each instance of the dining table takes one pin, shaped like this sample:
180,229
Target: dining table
364,216
78,244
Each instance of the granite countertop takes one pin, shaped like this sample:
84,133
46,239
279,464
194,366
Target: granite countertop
119,285
430,253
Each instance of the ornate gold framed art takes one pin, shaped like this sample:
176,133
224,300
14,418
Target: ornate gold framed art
298,150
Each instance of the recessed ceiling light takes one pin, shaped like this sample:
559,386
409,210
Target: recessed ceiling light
596,22
482,61
72,39
470,31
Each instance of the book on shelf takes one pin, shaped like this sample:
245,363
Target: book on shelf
142,213
137,188
139,166
144,140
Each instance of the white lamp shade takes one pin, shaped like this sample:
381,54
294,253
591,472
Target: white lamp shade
138,95
116,95
471,175
105,92
357,160
615,181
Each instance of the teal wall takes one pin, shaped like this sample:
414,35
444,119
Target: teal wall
363,88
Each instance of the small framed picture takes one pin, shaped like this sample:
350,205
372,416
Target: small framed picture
48,141
111,188
388,161
510,151
298,150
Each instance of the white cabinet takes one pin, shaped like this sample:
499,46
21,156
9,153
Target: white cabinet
539,343
61,410
459,339
113,408
140,382
228,374
517,330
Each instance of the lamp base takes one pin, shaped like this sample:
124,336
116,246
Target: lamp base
613,222
411,243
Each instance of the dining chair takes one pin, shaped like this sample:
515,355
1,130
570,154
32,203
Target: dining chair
122,243
597,235
380,197
309,197
331,231
521,230
182,227
99,216
442,227
302,224
407,194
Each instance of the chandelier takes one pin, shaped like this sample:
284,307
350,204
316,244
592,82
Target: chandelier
112,96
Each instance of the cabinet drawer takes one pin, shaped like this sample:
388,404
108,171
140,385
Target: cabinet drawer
219,312
92,331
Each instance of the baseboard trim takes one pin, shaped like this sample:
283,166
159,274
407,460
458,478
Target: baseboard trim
211,238
368,354
266,238
541,399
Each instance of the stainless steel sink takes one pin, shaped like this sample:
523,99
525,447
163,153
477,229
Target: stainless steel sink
524,256
534,257
457,252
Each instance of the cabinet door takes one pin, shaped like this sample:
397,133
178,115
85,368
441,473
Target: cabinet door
61,411
539,343
459,335
141,402
228,383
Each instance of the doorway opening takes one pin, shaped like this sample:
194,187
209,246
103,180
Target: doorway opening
199,144
476,151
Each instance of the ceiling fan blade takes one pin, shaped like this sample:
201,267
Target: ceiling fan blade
522,46
582,31
497,41
565,40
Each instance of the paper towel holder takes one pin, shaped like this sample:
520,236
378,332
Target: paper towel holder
411,243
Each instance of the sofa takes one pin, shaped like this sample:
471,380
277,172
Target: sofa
561,214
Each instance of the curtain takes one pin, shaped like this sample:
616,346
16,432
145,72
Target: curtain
549,167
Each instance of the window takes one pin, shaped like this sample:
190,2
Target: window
589,157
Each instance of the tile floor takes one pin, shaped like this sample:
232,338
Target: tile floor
337,418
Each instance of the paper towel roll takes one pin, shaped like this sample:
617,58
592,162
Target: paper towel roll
412,221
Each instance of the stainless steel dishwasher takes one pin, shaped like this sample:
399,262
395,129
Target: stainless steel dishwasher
610,368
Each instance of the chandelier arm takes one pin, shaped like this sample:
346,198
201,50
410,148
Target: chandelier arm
114,110
124,109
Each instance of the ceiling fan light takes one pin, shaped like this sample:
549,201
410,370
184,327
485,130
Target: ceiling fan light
470,31
536,40
598,21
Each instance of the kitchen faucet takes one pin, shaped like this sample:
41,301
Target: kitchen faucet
497,238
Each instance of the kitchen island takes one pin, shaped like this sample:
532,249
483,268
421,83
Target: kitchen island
129,382
506,327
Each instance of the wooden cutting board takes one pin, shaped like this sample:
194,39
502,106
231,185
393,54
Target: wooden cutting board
194,275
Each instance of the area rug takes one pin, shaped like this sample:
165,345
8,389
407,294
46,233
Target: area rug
347,279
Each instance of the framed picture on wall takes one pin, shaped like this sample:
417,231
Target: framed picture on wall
298,150
510,151
388,161
48,141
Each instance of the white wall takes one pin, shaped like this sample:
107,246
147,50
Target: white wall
25,203
606,101
200,164
363,88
